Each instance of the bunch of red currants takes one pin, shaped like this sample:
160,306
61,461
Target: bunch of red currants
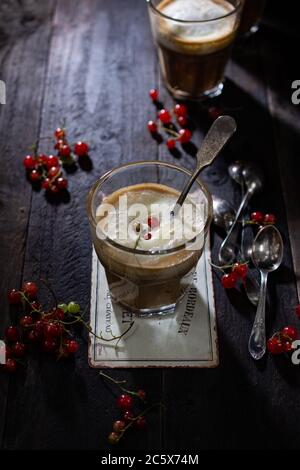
282,341
164,123
47,328
47,170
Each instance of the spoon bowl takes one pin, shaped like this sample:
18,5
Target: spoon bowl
223,213
235,171
267,256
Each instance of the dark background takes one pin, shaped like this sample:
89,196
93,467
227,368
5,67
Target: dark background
93,62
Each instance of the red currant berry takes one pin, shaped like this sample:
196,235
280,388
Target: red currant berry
118,426
148,236
29,162
34,176
153,93
152,127
171,144
18,349
270,219
72,346
185,136
275,346
46,184
53,172
59,314
10,365
65,151
153,222
59,144
298,310
164,116
62,183
81,149
35,305
214,112
141,394
141,423
182,121
49,345
229,280
113,438
33,337
51,330
52,161
240,269
59,133
14,296
39,328
30,289
257,217
128,416
42,159
124,402
12,333
288,347
26,321
290,333
180,110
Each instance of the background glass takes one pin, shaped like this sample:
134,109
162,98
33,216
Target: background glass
143,281
251,15
193,54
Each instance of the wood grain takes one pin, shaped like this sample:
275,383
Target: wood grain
25,32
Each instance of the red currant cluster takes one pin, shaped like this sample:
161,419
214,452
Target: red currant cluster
238,272
48,328
46,170
164,123
282,341
262,219
125,404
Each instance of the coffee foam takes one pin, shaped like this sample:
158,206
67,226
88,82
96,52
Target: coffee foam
196,37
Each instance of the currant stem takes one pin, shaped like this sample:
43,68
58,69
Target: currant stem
133,420
170,131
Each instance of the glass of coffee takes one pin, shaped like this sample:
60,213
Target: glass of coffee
194,39
251,16
149,255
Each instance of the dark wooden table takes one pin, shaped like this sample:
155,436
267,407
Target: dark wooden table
93,62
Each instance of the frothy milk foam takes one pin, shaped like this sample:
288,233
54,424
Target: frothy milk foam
186,35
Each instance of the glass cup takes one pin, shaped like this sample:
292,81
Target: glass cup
251,16
193,54
148,281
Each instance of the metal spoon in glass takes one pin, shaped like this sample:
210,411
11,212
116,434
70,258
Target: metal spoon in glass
254,181
217,136
267,256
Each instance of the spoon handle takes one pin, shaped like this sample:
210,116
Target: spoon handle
228,247
217,136
257,340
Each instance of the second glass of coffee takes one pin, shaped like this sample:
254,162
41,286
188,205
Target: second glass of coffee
194,39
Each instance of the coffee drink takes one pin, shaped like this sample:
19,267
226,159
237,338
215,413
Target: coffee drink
194,39
251,15
138,280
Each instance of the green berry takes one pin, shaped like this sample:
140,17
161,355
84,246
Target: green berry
63,307
73,307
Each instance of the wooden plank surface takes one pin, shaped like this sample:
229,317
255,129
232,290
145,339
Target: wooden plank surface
25,32
96,72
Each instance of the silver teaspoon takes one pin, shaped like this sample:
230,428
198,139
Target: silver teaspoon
254,181
216,138
267,256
